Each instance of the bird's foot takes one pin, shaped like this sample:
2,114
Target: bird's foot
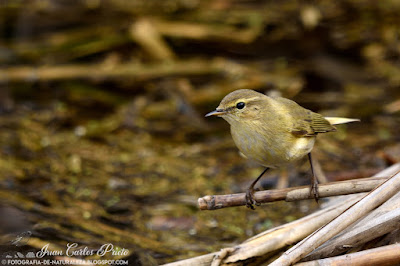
314,191
250,198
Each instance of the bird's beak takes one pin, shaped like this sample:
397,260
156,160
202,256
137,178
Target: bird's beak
217,112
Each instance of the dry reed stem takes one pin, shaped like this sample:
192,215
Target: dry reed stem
215,202
386,255
281,236
369,202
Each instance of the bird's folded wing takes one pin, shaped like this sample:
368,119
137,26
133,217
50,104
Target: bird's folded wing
310,124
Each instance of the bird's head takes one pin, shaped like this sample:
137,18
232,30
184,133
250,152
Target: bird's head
240,106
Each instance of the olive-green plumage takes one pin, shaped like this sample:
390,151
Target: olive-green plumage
273,131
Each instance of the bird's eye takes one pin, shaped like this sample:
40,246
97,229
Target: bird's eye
240,105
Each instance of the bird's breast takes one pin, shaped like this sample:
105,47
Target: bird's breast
271,148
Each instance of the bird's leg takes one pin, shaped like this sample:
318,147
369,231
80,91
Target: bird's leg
250,199
314,181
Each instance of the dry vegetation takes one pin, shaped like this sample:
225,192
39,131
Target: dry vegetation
102,135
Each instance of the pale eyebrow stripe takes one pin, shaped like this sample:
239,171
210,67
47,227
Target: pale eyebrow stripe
249,99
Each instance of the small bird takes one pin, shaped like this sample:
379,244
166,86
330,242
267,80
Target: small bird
273,131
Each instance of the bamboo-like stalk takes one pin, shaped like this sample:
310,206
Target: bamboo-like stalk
361,234
381,221
215,202
275,238
358,210
281,236
386,255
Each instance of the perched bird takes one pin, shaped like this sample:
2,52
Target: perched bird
273,131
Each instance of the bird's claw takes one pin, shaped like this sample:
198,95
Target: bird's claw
250,199
314,191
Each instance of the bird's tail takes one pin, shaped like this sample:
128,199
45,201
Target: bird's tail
341,120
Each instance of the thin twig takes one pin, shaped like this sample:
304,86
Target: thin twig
275,238
215,202
284,235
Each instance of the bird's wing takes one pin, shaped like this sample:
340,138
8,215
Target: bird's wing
305,123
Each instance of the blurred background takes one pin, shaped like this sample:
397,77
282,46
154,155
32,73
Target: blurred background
102,131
